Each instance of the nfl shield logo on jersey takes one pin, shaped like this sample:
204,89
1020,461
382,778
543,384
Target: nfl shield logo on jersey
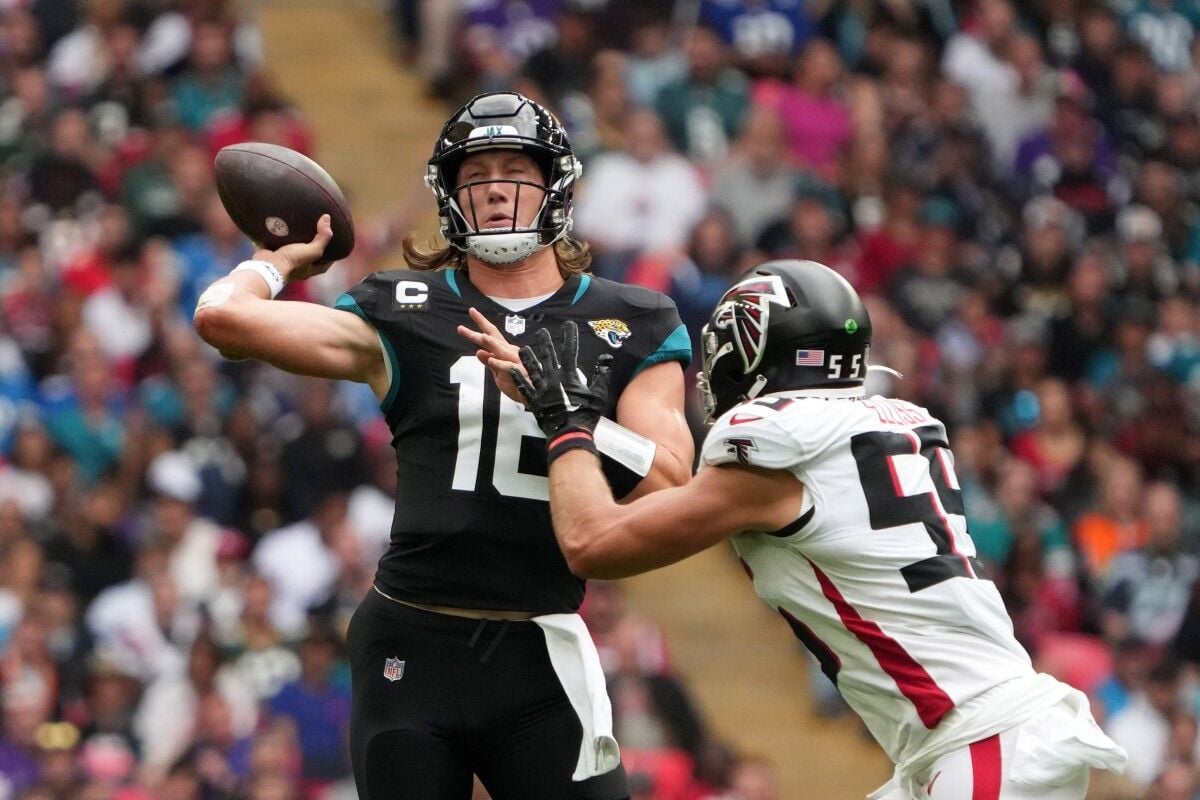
514,324
393,669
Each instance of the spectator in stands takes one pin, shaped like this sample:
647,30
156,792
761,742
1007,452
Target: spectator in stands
191,541
757,184
641,199
815,118
1004,75
702,112
1146,272
212,84
1147,590
326,457
1166,30
927,292
1121,374
763,35
1158,187
813,229
697,281
1143,727
318,704
1078,333
172,706
559,71
1056,444
261,655
595,120
77,62
298,562
653,62
87,544
1115,526
63,178
84,420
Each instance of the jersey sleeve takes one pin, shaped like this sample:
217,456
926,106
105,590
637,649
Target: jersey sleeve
668,338
744,436
367,300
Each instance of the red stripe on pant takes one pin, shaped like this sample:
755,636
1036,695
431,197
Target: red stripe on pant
985,769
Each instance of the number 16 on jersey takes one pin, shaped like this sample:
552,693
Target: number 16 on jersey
512,424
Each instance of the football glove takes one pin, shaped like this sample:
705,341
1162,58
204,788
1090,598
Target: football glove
565,404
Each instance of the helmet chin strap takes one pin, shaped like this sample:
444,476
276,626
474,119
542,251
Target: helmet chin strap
760,381
888,370
501,249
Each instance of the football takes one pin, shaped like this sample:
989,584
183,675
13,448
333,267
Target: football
276,195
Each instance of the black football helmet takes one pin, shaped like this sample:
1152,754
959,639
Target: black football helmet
783,325
503,120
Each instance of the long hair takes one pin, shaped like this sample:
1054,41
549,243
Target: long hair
572,255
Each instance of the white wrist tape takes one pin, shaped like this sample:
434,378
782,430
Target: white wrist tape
622,445
265,270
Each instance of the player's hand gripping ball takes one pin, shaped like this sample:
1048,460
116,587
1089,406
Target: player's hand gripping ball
276,195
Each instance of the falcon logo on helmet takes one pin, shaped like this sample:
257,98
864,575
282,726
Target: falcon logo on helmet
747,309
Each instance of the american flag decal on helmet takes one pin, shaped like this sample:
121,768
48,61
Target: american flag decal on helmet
810,358
747,308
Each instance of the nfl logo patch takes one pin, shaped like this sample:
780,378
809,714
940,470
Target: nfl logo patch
514,324
393,669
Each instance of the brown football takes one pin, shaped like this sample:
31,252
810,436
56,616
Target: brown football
275,195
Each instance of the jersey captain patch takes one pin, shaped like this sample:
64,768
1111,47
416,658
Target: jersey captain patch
613,331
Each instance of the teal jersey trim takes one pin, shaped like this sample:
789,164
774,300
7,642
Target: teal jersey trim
347,303
676,347
584,282
452,280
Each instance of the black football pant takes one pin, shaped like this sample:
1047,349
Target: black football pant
473,696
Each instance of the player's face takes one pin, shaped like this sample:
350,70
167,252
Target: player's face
500,190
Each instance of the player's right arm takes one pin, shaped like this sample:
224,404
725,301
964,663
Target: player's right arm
236,316
605,540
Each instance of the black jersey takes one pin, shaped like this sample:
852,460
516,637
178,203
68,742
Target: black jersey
472,528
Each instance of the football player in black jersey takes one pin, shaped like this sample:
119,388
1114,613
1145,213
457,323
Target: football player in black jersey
468,656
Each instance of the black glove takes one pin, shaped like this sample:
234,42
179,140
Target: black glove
566,408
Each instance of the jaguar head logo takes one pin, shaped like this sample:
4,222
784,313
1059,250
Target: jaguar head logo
613,331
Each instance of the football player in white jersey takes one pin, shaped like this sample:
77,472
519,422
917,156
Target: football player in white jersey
846,512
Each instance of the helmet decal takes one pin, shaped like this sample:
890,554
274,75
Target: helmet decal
746,307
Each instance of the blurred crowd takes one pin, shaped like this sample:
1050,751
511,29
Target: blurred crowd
1014,185
183,538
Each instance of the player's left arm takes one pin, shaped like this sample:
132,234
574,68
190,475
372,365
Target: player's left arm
652,406
603,539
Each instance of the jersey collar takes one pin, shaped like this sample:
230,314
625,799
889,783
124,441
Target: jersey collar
832,393
563,296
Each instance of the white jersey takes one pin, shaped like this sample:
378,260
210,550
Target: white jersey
877,576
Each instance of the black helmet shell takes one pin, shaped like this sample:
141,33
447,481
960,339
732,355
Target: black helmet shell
783,325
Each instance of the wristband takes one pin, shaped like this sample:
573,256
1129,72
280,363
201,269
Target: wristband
265,270
568,441
630,450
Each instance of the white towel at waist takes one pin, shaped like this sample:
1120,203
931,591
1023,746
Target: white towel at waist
575,661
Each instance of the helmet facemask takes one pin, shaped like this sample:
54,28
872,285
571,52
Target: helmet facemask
508,242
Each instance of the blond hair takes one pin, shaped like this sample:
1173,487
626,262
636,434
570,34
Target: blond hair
572,255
